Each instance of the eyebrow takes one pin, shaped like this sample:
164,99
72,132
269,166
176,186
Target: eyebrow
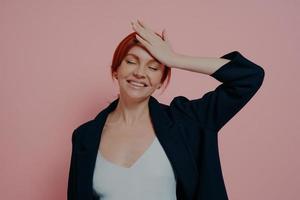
136,57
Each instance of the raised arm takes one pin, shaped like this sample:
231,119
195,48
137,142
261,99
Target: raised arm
204,65
240,79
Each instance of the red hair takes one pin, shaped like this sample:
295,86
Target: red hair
125,45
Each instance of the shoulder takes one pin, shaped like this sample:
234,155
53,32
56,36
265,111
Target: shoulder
180,105
83,128
181,109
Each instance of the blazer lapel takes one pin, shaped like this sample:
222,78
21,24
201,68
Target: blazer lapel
169,135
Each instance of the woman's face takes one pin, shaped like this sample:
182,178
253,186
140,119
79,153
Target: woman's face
139,74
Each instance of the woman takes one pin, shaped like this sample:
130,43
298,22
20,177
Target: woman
138,148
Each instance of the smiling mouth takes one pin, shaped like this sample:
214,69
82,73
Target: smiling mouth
136,85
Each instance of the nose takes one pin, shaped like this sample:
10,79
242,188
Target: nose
139,71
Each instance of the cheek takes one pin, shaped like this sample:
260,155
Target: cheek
124,70
156,78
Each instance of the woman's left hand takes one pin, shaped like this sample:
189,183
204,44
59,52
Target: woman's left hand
159,48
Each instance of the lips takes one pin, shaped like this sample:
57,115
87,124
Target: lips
138,82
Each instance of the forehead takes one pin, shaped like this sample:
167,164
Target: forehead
140,54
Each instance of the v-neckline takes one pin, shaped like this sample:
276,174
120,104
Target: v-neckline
132,165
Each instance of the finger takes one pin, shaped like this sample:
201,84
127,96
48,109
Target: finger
143,41
144,27
139,29
166,36
144,34
147,34
141,23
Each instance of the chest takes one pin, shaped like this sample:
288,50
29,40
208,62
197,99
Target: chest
124,145
171,145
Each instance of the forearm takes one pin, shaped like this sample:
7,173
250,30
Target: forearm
205,65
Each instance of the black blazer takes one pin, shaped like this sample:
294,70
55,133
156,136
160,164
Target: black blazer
187,130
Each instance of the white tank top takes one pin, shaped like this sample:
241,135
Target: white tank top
150,177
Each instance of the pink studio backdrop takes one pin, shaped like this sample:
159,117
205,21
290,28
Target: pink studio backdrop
55,58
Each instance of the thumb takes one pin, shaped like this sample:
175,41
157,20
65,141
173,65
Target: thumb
165,36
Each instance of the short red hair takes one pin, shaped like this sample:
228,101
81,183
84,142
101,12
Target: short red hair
125,45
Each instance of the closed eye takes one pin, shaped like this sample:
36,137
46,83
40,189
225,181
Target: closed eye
129,62
153,68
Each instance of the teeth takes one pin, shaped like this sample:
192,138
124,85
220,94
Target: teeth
136,83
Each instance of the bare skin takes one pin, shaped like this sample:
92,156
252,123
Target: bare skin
123,145
128,131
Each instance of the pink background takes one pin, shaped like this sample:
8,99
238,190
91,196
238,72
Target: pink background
55,58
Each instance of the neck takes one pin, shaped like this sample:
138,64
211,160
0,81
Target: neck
130,112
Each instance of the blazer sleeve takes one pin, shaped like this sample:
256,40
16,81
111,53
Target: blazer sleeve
71,191
240,79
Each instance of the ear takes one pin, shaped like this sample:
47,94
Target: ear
115,75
